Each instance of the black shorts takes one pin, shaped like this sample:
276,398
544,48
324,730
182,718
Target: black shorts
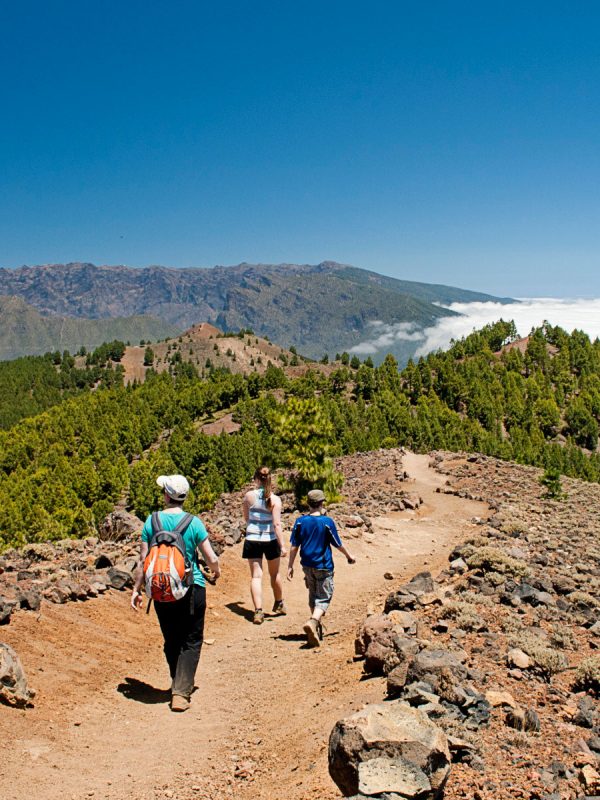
269,550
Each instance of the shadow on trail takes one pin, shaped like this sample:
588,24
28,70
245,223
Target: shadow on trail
294,637
143,692
240,610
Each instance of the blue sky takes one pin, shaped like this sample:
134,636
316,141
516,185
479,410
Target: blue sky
443,142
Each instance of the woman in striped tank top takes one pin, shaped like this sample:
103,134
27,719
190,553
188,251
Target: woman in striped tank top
264,537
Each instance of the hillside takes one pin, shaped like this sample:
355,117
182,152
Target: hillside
24,331
205,347
318,308
70,465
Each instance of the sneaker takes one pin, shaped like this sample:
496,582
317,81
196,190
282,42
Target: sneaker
259,616
179,703
279,608
311,629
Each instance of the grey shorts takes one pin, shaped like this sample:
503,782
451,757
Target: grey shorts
319,583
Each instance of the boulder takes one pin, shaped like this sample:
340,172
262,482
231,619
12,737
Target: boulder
377,626
396,680
411,500
517,658
6,609
30,599
119,578
382,642
404,619
500,698
391,750
431,665
14,690
458,565
119,525
406,596
57,593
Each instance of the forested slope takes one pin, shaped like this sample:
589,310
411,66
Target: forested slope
63,470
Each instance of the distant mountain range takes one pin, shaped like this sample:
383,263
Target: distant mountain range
328,307
24,331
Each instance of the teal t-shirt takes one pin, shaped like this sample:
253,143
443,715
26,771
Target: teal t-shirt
195,533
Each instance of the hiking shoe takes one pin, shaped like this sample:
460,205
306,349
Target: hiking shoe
311,629
320,629
259,616
279,608
179,703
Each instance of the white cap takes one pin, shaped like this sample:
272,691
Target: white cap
176,486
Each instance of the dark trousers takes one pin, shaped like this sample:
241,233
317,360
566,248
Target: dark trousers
182,626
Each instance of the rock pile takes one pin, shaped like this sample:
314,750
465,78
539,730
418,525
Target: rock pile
499,651
522,600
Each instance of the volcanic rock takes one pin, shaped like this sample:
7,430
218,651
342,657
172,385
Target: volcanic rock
411,753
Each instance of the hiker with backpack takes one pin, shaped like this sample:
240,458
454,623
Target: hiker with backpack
313,535
174,582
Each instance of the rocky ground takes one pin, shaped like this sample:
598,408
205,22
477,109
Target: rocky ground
491,661
500,651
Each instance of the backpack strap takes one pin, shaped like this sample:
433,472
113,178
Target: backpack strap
156,524
183,524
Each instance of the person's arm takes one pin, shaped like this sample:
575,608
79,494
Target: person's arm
337,542
246,507
349,557
291,559
276,512
136,595
210,557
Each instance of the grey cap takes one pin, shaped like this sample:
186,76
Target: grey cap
315,496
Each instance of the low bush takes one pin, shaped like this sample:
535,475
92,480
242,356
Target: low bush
587,675
491,559
546,660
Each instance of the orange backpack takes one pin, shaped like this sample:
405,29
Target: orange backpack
168,573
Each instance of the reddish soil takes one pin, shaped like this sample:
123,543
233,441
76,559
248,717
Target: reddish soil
260,720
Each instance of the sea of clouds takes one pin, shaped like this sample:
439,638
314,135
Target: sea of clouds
528,313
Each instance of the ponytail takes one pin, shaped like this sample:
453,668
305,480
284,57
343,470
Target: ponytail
263,475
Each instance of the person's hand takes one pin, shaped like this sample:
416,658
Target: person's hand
290,574
136,600
351,560
283,552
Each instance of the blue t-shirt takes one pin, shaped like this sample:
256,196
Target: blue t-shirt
314,535
194,534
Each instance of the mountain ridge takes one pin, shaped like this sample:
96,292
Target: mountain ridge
25,331
317,308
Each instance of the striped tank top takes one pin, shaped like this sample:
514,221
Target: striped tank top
260,520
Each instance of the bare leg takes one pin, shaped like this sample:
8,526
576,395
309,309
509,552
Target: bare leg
317,613
256,581
276,583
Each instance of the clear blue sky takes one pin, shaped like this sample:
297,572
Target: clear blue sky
445,142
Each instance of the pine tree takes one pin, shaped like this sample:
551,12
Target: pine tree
304,439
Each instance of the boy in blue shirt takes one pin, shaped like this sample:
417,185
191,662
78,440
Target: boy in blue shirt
313,534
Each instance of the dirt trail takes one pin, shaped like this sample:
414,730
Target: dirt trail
260,720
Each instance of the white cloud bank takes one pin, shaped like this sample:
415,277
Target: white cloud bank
527,314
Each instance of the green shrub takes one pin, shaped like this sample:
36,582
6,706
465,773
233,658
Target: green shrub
464,615
587,675
546,660
491,559
583,599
